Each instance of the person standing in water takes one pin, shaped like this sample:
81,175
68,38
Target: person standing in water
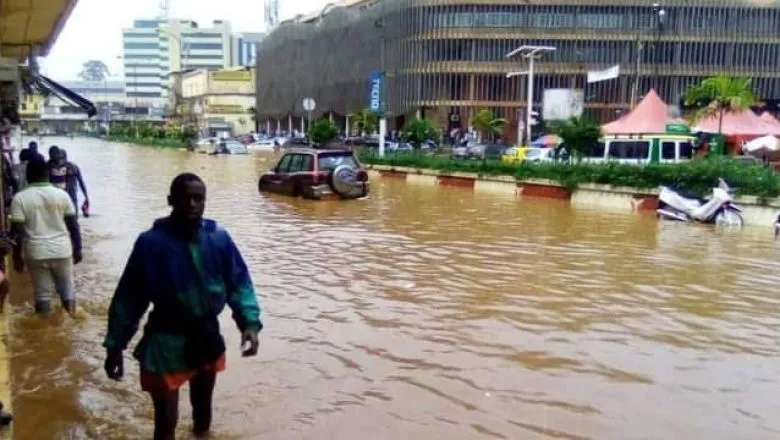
47,238
188,268
74,181
58,169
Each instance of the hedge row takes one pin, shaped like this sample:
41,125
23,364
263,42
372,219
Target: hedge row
698,176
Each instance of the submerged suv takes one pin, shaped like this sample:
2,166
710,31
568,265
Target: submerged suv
317,174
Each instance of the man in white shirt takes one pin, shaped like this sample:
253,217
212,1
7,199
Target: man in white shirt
43,222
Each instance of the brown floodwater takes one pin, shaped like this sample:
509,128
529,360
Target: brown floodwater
425,313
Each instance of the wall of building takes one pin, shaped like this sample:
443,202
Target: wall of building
449,57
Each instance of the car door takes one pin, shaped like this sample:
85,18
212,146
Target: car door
273,180
288,178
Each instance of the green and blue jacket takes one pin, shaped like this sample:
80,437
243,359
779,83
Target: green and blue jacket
188,283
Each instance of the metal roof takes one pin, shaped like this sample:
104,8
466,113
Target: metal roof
29,24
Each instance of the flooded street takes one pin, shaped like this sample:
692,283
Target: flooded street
425,313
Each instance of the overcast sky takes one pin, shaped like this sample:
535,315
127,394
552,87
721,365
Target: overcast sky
94,30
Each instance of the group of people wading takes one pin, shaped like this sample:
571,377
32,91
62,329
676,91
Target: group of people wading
186,267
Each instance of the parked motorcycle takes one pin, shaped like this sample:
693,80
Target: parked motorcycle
718,209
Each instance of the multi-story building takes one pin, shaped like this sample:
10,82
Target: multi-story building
218,101
447,59
109,98
245,48
155,48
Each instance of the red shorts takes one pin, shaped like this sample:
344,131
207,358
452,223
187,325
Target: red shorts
162,382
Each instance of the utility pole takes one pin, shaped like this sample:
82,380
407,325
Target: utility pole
531,53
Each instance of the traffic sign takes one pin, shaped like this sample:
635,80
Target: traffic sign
309,104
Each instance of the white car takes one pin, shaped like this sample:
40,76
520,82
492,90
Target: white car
262,145
539,154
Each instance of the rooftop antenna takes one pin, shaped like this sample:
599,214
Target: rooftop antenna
271,14
165,9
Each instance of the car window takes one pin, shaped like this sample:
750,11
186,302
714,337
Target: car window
533,152
307,163
295,163
686,150
629,149
284,164
668,150
329,162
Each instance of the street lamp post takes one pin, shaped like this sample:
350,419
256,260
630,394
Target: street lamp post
659,15
660,19
531,53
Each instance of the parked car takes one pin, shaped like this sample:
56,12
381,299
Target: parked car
459,152
206,145
295,142
263,145
229,146
317,174
493,151
539,154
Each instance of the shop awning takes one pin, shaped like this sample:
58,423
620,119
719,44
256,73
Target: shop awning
31,27
48,87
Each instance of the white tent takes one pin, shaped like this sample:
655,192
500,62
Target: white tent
767,146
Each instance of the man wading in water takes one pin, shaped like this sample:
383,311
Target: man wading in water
189,269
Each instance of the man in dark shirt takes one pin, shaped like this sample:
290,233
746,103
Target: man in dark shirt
58,169
73,181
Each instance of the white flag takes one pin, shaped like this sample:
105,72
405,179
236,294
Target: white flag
604,75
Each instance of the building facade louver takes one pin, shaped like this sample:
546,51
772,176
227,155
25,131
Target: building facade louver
446,58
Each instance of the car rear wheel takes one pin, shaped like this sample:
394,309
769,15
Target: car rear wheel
344,181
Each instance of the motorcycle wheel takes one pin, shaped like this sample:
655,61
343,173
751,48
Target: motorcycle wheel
729,218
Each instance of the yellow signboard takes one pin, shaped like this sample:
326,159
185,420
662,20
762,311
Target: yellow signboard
232,75
225,109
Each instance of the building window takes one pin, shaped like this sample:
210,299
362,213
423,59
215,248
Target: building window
143,95
205,46
131,45
201,35
142,57
216,57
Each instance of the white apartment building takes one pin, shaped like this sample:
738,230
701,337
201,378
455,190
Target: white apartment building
155,48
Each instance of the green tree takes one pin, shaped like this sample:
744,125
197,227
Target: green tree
94,71
487,125
718,95
579,135
364,121
416,131
323,131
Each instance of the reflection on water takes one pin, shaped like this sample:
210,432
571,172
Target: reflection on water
428,313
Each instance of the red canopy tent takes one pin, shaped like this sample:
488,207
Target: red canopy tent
651,115
769,119
745,125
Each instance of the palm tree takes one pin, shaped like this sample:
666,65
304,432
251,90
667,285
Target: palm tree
94,71
487,124
719,95
364,121
578,134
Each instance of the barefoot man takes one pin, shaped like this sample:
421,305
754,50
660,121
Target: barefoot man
188,268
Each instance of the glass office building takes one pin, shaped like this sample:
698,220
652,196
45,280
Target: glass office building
446,59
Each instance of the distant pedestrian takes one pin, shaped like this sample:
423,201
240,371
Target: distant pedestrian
73,181
20,169
187,268
58,169
47,238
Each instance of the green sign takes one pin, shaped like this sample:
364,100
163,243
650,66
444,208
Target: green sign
677,128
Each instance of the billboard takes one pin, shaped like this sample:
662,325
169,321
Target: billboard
558,104
375,92
232,75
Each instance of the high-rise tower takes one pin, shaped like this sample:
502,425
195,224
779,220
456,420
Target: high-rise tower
271,14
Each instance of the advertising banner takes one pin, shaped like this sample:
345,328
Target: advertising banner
560,104
375,92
